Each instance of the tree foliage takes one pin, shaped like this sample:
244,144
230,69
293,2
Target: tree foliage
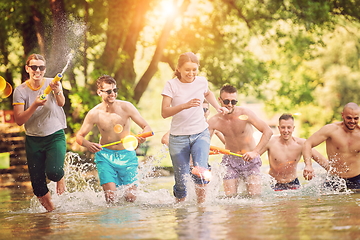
292,53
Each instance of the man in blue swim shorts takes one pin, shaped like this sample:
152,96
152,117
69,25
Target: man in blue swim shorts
116,165
237,128
284,153
342,147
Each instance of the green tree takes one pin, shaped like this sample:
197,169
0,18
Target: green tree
263,47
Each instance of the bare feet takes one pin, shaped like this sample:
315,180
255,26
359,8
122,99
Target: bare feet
200,192
109,190
178,200
60,186
110,196
130,195
46,202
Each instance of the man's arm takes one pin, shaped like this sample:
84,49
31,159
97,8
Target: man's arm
220,136
138,119
84,130
266,135
314,140
320,159
265,149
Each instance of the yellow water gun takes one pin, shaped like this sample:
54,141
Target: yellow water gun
47,90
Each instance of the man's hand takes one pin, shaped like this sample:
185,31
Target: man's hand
248,156
93,147
308,172
223,110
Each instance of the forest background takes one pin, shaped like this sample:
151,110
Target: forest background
296,56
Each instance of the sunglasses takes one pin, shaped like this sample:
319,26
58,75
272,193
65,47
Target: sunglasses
227,101
205,110
34,67
115,90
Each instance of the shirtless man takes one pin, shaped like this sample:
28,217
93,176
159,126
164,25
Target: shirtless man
342,147
116,165
284,153
237,128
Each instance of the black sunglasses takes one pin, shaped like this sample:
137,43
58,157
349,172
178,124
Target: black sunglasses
34,67
115,90
227,101
205,110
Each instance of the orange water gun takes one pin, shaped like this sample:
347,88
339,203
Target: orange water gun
217,150
47,90
142,135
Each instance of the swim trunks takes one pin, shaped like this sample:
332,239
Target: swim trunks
117,166
353,183
237,167
293,185
338,184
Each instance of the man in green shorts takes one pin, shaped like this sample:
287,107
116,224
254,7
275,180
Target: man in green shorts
116,165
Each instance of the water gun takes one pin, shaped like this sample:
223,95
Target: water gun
214,150
143,135
47,90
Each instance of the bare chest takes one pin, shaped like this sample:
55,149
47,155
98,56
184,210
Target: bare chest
107,121
285,153
345,143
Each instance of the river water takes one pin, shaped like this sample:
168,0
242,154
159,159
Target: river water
81,213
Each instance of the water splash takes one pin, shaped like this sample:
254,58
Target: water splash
85,194
69,57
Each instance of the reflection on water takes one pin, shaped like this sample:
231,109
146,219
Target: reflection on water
81,213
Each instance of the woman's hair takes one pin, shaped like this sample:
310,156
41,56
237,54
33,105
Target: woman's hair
35,57
184,58
104,79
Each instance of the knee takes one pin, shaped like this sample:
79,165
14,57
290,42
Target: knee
179,191
55,174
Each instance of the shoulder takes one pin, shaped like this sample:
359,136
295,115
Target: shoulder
328,128
240,110
95,110
214,119
173,81
171,86
299,141
273,140
124,104
126,107
201,78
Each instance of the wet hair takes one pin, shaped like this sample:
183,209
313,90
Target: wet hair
35,56
184,58
228,89
286,116
104,79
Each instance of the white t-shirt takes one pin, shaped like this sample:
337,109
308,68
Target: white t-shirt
46,119
188,121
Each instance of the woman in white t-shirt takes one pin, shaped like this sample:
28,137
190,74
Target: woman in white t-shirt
189,134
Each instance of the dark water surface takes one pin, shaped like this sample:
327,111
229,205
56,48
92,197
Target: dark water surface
82,213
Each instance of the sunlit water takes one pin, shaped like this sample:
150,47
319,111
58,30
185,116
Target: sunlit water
81,213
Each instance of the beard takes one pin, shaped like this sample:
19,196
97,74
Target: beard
350,127
231,110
